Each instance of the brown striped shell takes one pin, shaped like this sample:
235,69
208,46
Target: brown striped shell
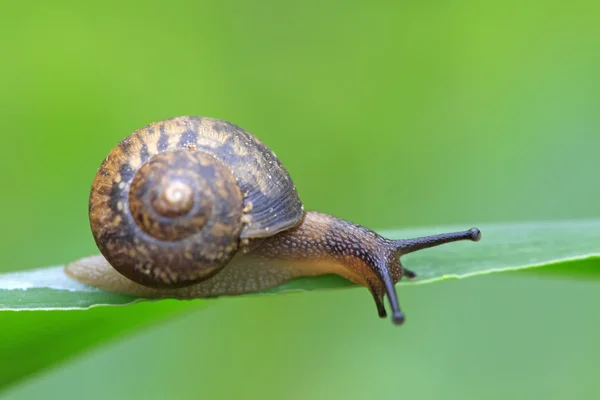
172,202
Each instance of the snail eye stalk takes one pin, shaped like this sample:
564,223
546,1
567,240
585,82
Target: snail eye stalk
405,246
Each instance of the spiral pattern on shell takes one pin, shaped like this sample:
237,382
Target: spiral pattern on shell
170,204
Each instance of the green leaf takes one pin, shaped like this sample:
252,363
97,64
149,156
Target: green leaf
560,247
502,248
51,289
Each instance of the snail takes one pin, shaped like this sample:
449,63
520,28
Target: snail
193,207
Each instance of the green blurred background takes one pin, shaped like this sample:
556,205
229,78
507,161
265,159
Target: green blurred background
390,114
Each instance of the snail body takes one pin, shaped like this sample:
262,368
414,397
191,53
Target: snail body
196,207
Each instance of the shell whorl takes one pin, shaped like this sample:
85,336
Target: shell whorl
168,205
173,195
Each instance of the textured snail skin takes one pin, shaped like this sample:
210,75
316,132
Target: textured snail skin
195,207
322,244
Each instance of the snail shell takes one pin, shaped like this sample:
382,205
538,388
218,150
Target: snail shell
172,203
